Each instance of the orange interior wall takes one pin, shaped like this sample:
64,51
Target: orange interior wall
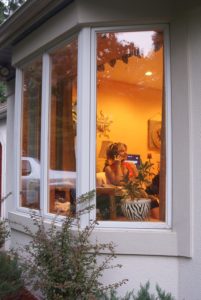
129,107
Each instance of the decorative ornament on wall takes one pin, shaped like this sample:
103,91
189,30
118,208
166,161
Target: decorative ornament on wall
103,125
7,72
154,135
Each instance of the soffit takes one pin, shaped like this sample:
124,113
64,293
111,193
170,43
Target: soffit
35,12
182,5
5,55
27,18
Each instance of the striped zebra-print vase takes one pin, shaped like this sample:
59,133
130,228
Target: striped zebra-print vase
136,210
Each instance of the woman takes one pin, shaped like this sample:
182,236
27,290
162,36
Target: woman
117,170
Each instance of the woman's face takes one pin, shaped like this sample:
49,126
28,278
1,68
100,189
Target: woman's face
122,151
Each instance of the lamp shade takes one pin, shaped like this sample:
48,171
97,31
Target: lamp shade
103,149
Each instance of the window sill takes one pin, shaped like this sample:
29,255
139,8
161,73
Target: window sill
151,242
140,241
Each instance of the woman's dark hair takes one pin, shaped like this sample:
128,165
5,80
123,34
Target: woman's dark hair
112,151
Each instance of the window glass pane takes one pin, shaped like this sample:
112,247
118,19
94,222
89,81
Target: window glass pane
63,119
130,126
30,141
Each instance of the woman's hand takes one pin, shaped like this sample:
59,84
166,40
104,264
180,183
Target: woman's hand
118,158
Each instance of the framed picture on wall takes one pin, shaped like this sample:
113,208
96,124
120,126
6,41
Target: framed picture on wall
154,135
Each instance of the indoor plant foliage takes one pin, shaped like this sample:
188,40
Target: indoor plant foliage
136,202
63,263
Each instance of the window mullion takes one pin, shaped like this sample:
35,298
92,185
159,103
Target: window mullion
168,118
83,126
45,133
17,134
93,119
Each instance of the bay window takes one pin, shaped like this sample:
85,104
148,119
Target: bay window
102,88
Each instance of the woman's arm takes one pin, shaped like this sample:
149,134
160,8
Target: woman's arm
135,170
114,175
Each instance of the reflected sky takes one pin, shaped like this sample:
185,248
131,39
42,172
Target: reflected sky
141,39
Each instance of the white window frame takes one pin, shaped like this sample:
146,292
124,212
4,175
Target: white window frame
45,130
18,138
168,201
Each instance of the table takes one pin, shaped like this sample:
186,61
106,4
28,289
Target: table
112,191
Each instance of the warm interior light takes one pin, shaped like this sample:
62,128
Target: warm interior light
148,73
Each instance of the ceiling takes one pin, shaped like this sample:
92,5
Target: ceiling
134,71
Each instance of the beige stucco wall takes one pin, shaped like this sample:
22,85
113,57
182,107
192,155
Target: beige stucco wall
190,270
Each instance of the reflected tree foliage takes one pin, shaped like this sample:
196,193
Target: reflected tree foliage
111,49
8,7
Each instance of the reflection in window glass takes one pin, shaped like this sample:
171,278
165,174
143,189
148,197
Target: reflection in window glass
62,172
31,129
130,126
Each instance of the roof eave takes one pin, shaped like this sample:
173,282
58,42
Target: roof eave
27,18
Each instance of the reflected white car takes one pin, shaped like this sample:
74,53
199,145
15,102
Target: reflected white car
58,180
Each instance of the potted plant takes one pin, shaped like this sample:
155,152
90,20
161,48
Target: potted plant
136,203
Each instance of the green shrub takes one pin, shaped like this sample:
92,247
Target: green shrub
63,263
10,275
4,233
142,294
162,294
4,229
